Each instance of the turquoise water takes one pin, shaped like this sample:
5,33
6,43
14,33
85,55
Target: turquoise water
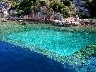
61,42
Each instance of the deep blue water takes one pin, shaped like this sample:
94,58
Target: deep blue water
16,59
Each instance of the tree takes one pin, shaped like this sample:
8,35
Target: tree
25,7
66,2
43,3
91,5
60,7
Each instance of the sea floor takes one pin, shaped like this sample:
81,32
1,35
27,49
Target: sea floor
16,58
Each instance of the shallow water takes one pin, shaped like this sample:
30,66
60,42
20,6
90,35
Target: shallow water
58,43
61,42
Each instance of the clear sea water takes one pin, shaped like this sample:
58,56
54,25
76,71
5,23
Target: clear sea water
61,42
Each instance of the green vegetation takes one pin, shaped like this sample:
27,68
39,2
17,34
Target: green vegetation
91,5
65,7
24,7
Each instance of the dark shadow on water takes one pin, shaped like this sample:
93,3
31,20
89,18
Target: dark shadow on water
17,59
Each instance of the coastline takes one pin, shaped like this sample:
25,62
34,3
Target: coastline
66,22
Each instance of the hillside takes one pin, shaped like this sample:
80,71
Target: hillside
83,8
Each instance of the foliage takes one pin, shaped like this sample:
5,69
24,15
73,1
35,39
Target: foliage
42,3
66,2
91,5
82,16
65,9
26,6
15,4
